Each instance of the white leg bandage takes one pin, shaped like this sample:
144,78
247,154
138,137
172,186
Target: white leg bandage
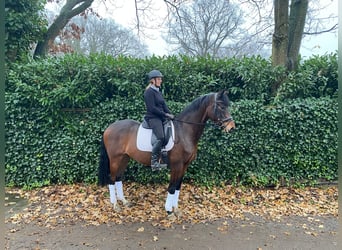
169,202
112,194
175,199
119,190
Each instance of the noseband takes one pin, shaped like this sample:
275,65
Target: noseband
224,122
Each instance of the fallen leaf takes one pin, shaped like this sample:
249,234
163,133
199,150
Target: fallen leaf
52,205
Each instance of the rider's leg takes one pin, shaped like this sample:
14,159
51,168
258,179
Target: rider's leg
157,127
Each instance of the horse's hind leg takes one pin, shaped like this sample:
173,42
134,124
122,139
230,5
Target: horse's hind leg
112,197
119,192
116,193
117,169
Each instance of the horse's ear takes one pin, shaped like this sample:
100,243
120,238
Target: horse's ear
223,92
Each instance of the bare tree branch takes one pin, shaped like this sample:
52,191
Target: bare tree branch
333,28
69,10
203,27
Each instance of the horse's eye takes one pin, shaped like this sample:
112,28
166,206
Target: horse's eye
221,108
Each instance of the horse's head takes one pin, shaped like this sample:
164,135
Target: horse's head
219,112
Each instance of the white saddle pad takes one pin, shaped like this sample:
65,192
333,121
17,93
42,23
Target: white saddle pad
144,139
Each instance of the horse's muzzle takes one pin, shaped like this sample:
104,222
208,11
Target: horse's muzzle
232,130
229,126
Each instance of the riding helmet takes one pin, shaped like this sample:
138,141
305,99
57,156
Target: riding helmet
154,73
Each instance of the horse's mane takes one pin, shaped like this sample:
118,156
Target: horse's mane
196,104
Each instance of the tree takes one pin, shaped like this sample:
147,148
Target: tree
292,20
281,29
24,25
205,27
69,10
106,36
288,32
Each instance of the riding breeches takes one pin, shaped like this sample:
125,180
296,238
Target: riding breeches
157,128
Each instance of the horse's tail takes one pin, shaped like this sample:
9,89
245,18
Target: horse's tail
104,173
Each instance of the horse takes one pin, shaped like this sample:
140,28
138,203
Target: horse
118,146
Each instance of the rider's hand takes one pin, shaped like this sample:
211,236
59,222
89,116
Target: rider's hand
170,116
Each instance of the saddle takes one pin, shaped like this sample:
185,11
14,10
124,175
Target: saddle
146,137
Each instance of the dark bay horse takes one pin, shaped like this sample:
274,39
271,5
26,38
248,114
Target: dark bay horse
119,145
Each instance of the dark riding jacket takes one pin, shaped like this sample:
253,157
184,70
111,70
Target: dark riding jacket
155,104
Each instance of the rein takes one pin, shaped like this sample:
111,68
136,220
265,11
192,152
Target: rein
194,123
228,119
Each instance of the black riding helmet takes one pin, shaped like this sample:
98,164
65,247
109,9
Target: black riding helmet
154,73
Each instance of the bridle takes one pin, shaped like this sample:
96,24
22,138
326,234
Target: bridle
224,122
221,122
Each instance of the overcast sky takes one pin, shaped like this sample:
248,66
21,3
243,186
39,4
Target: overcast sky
124,13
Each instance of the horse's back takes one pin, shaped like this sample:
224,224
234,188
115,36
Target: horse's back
126,122
120,140
122,127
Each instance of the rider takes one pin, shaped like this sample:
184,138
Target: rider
156,113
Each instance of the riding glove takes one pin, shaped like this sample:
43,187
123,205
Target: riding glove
170,116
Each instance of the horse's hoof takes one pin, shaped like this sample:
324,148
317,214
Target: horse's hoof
178,212
117,208
172,216
126,203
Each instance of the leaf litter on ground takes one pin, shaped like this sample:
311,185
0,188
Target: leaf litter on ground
61,204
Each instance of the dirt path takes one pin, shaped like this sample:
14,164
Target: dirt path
251,233
74,217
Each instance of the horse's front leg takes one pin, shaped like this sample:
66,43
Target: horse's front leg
171,204
176,210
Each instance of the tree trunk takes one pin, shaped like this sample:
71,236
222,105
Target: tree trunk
298,11
69,10
280,35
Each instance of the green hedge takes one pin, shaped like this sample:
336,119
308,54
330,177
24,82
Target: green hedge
57,109
76,81
316,77
295,141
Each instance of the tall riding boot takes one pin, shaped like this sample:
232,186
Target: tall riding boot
155,164
164,157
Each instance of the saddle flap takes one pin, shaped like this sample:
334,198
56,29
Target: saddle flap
144,124
145,137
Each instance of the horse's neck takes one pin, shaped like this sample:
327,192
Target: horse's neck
194,125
